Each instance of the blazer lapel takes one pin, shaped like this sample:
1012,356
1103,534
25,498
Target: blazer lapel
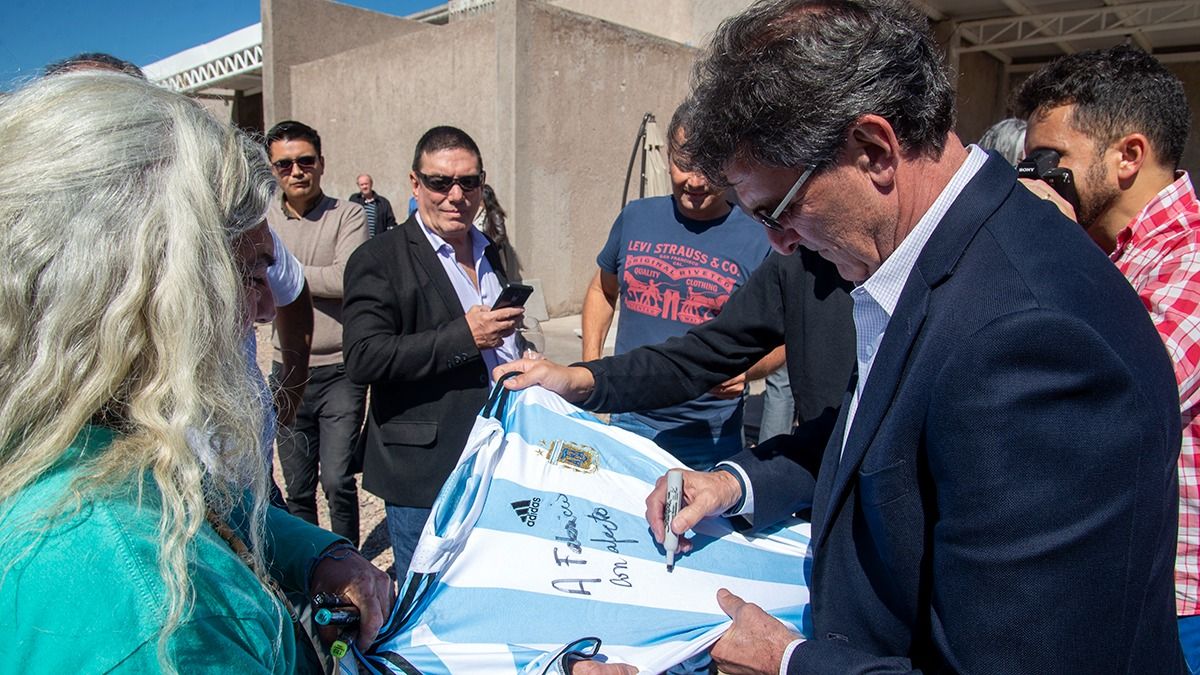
427,258
962,221
878,393
830,460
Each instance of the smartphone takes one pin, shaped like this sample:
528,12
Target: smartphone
513,295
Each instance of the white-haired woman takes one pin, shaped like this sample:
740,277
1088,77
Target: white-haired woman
134,531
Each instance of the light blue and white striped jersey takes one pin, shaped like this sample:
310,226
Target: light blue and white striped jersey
539,539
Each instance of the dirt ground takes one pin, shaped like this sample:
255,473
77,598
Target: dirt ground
375,544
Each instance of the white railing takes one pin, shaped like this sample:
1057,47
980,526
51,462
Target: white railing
205,74
463,8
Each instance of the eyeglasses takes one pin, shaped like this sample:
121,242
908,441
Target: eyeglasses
306,162
446,183
771,222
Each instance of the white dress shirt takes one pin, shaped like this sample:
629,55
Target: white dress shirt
468,293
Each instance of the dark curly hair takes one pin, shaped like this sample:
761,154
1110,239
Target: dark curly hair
1116,91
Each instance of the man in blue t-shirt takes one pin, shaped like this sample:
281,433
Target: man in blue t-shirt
673,262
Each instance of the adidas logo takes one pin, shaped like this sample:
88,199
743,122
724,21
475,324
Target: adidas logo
527,510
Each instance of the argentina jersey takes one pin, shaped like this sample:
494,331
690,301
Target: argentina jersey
537,546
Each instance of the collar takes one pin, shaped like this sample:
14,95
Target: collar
1168,207
443,247
885,285
317,205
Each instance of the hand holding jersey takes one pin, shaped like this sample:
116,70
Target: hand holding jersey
573,383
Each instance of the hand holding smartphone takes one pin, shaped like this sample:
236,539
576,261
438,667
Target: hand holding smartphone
513,295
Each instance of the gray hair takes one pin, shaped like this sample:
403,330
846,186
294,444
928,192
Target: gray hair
121,305
781,83
1006,137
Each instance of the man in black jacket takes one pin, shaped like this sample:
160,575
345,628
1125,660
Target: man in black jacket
420,330
798,301
380,217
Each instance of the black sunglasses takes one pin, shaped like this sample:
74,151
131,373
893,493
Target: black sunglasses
306,162
445,183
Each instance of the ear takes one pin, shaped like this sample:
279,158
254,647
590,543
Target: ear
874,148
1134,152
412,178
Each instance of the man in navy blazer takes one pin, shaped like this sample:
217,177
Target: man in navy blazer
999,493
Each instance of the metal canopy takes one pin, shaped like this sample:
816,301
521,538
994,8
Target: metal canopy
1023,34
233,61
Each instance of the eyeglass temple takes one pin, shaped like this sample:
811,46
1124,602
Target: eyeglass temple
792,193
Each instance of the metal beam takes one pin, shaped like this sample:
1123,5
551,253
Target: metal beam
1054,27
1111,32
1172,57
1019,8
1138,36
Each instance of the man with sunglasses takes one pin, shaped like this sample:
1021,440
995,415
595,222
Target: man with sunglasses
420,330
321,232
999,491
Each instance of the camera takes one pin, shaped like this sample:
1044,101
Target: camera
1042,164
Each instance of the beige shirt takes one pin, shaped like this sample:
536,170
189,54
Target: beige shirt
322,240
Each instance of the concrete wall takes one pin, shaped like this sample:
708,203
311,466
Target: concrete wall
670,19
370,118
553,98
300,31
982,96
584,86
219,107
685,21
708,14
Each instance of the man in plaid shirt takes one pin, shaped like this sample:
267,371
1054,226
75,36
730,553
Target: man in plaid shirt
1119,120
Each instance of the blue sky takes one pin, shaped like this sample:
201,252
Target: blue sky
37,32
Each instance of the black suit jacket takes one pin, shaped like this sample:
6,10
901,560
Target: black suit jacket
1006,498
797,300
406,335
385,217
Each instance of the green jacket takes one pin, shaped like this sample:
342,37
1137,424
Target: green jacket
88,598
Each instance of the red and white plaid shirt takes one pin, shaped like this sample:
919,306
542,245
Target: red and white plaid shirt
1159,252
